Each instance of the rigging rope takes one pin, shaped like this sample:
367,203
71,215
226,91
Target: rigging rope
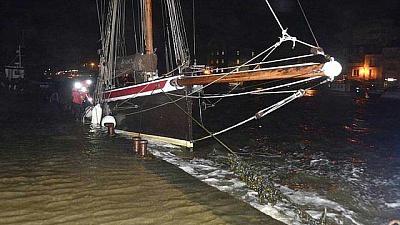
126,100
266,62
194,34
257,91
134,27
179,41
201,125
308,23
299,93
273,13
259,114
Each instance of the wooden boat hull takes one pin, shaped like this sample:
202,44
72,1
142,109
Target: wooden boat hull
153,110
161,109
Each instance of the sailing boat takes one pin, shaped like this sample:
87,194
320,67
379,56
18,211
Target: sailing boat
15,70
142,101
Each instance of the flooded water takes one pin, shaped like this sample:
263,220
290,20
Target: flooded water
330,152
57,171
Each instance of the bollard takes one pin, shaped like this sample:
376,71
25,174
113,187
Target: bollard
143,148
136,143
110,129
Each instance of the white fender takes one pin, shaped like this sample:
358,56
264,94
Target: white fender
88,112
96,114
108,119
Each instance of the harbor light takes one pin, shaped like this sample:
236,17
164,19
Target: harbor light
391,79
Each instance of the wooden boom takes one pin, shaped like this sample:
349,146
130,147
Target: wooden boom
296,71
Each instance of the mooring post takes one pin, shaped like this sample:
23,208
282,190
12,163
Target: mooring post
136,144
110,129
143,148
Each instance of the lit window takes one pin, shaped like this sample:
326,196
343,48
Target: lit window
238,52
222,61
217,52
223,53
217,61
252,54
237,61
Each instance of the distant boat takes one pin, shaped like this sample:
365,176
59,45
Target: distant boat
158,106
340,86
15,70
346,88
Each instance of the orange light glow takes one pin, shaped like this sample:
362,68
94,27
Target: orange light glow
362,71
310,93
207,72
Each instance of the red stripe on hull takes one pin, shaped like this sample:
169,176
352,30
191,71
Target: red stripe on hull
135,90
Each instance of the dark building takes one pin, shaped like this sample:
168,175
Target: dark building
224,54
374,58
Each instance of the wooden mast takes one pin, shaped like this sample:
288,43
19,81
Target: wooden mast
294,72
149,27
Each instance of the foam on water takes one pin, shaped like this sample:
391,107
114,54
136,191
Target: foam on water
211,173
347,162
219,176
393,205
350,175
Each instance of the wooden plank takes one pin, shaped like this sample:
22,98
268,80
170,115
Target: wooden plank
256,75
167,140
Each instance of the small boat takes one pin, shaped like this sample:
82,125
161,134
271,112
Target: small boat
346,88
165,106
14,73
15,70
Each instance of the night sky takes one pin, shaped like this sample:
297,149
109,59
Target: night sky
57,33
61,34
